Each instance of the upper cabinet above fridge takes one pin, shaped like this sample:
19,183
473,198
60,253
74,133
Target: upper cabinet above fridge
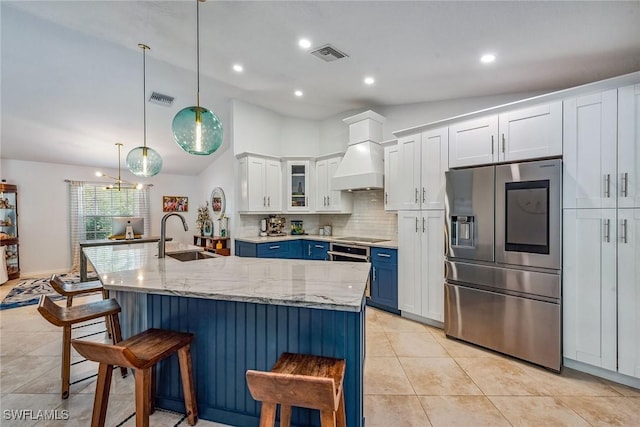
528,133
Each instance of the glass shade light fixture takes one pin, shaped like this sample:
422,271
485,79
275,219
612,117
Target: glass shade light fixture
119,181
196,129
144,161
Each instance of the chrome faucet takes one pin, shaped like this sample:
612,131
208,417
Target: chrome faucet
163,231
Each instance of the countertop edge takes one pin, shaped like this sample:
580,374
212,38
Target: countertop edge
389,244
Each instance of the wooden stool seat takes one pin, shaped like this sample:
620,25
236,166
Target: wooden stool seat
300,380
71,290
68,316
141,352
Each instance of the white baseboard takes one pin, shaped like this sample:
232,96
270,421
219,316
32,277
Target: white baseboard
427,321
602,373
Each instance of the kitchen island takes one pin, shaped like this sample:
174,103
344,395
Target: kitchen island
244,313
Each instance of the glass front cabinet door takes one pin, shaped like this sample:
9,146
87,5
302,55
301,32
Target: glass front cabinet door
9,228
298,185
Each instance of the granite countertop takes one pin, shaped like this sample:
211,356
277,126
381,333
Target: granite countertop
391,244
301,283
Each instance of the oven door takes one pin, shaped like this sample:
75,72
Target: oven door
353,253
528,214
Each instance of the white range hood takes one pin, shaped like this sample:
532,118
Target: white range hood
362,167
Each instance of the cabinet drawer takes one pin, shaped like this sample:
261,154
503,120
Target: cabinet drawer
274,250
384,255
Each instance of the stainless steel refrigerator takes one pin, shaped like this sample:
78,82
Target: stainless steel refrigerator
503,264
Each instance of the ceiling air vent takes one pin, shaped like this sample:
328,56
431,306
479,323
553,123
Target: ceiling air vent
328,53
160,99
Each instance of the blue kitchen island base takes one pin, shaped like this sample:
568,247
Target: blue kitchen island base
231,337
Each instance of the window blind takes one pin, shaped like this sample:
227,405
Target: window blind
92,206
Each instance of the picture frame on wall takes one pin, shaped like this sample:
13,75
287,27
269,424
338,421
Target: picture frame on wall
175,204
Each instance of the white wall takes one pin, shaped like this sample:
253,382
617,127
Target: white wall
43,202
255,129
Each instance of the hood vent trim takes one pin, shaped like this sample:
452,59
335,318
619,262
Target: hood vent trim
362,167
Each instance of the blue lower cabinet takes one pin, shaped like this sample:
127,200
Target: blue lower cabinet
290,249
384,279
316,250
246,249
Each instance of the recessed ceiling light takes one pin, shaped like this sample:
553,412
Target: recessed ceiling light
304,43
369,80
238,68
298,93
487,58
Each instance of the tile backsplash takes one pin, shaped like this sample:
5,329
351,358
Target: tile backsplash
368,219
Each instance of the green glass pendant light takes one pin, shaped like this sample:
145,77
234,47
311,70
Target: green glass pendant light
144,161
196,129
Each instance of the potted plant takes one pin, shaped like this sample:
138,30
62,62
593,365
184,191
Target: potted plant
203,220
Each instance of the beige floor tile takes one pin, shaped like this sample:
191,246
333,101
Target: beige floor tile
415,344
378,345
16,371
385,411
457,348
384,375
25,409
437,376
623,389
500,377
569,383
18,343
606,411
536,411
462,411
393,323
49,381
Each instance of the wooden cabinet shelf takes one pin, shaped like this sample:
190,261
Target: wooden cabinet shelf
9,228
209,244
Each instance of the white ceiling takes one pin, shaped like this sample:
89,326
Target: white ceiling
72,71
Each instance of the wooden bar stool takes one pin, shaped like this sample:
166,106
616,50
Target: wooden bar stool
302,380
71,290
68,316
141,352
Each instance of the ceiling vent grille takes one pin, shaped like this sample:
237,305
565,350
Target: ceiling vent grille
160,99
328,53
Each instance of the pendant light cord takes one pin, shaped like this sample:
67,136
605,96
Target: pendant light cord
119,179
198,53
144,48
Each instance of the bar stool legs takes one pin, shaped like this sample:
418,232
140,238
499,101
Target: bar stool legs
141,352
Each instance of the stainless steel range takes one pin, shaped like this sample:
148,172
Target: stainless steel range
503,287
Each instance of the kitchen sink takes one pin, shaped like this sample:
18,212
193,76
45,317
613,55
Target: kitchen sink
191,256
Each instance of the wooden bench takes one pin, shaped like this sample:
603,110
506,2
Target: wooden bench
141,352
71,290
300,380
68,316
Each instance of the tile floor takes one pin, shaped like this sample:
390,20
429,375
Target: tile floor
414,376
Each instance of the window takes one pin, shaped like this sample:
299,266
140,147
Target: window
92,206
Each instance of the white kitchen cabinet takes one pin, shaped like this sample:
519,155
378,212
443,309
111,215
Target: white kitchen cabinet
260,184
601,288
590,132
326,198
423,162
589,286
473,142
527,133
629,146
391,177
298,173
629,292
421,263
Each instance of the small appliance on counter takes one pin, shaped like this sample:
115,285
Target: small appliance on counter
296,227
263,227
275,225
